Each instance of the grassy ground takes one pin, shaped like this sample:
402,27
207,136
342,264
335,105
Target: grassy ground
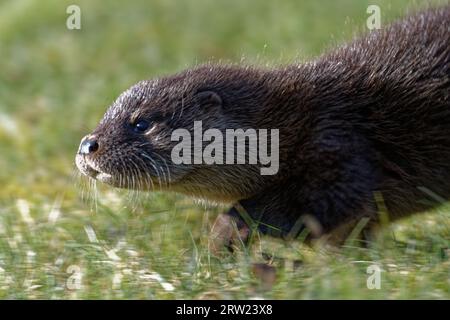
54,86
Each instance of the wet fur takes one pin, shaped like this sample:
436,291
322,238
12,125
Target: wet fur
370,116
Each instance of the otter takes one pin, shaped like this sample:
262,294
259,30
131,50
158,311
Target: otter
365,124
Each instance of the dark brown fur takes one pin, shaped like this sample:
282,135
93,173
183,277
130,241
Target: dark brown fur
370,116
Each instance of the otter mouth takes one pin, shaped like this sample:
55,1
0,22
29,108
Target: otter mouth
101,176
90,171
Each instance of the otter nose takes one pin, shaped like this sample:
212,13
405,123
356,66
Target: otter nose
88,145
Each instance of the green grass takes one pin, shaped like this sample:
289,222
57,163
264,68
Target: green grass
55,85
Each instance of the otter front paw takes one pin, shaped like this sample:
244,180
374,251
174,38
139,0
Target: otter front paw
228,232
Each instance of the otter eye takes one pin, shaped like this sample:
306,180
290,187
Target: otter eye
140,126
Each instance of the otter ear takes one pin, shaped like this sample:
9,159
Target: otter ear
208,98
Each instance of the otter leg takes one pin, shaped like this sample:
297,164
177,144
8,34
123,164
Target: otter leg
336,190
227,232
333,216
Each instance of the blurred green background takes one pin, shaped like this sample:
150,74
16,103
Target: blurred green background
60,238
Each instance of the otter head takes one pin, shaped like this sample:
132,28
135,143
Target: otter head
132,147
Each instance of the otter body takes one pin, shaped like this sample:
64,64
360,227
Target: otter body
369,118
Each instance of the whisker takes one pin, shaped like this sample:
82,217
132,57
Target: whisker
153,164
167,168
